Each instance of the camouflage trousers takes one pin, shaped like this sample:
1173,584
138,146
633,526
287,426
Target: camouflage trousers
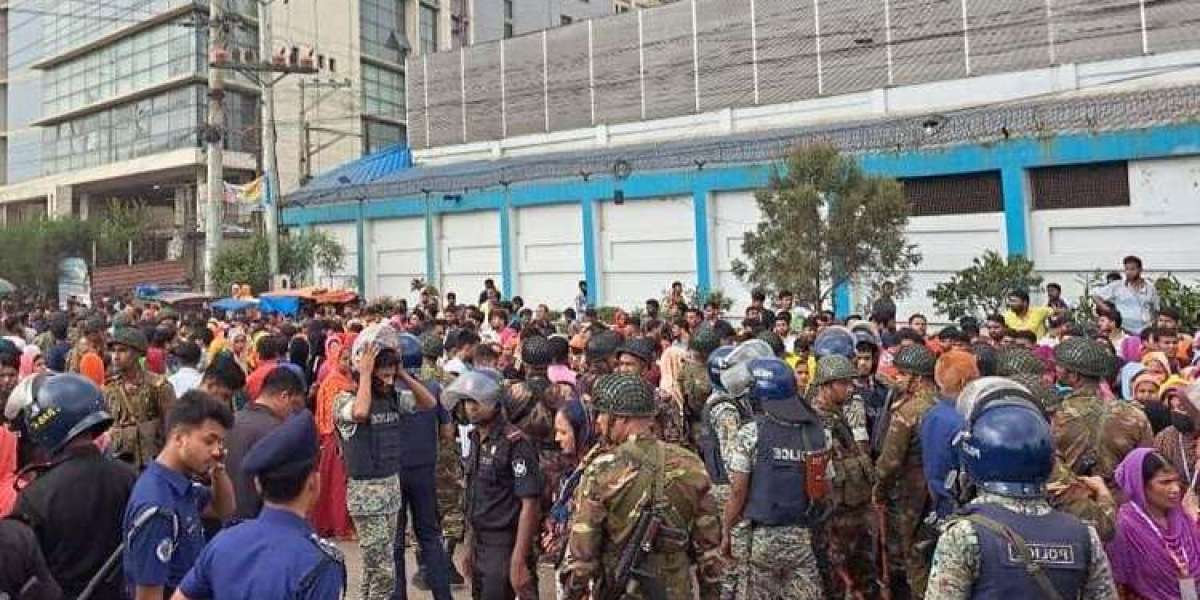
781,565
375,536
450,486
738,540
905,550
847,553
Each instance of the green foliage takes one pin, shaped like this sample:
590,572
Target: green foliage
123,222
982,288
33,250
824,222
1182,297
1083,310
245,261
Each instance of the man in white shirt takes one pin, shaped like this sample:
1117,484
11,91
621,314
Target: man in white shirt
187,377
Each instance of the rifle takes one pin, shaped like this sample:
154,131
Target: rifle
885,576
634,553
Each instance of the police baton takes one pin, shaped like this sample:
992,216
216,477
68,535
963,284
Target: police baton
885,577
103,573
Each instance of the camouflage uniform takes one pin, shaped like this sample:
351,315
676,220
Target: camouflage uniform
1092,436
449,483
374,506
1066,492
724,420
847,539
901,482
780,563
696,388
139,404
956,560
617,483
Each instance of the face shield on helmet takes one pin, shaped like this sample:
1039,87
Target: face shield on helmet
1006,447
771,380
834,340
381,334
54,409
481,385
716,362
735,376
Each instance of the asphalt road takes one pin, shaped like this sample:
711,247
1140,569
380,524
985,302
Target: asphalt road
354,572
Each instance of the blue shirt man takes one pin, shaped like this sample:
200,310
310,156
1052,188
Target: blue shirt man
276,555
938,454
163,531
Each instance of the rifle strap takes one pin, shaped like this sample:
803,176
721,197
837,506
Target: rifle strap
1018,542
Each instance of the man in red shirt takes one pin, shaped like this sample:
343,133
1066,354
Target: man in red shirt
270,350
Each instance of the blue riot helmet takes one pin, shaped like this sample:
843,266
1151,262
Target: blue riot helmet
735,376
411,355
1006,446
716,362
771,379
835,340
54,409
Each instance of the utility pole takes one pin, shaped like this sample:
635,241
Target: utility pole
214,134
270,161
306,149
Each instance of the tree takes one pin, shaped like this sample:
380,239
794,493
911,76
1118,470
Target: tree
825,223
245,261
33,250
983,288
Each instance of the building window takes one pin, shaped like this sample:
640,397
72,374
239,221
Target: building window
381,135
565,20
429,28
1093,185
508,30
383,92
969,193
382,20
508,10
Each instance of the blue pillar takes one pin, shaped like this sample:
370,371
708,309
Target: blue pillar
506,258
361,226
430,246
588,222
841,300
700,227
1016,231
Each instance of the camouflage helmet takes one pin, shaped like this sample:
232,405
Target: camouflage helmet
602,345
1043,395
704,341
1014,361
834,367
915,360
624,395
130,337
1085,357
536,351
432,346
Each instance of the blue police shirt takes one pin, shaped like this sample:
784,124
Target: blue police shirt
162,549
276,555
938,455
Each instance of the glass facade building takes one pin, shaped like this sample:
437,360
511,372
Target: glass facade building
383,41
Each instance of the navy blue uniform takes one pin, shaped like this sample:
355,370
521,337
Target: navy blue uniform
418,463
276,555
162,528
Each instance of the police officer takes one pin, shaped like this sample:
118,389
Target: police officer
277,554
421,420
163,532
639,473
504,487
75,504
779,484
138,400
1009,542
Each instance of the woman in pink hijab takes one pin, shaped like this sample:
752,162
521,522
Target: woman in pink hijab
1155,554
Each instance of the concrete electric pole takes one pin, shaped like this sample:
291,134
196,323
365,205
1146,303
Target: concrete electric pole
214,135
270,162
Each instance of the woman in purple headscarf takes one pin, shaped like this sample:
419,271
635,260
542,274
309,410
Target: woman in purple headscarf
1155,554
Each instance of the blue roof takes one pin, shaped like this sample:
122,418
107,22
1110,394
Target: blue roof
365,170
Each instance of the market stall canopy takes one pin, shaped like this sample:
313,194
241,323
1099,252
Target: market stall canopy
316,295
235,304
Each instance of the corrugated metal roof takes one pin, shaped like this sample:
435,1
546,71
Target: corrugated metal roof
365,170
1031,118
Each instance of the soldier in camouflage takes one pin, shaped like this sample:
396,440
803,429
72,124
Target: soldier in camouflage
670,422
900,477
432,349
1086,498
137,399
1091,434
778,471
694,383
1008,454
639,472
846,542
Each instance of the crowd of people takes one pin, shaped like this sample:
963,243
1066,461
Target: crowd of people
664,453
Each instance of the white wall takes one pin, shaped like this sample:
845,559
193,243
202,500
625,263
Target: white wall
644,246
346,234
549,254
947,244
1161,225
468,252
397,256
731,215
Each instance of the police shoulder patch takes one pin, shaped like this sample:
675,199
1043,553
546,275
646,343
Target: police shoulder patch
520,469
164,550
327,548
